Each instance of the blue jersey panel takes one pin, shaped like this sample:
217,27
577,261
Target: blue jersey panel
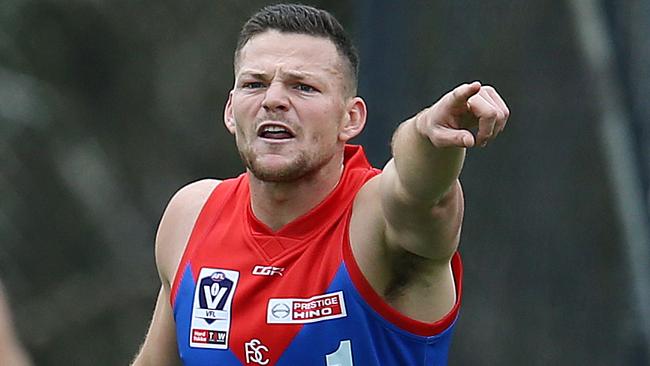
363,338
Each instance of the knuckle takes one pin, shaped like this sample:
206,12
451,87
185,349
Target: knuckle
491,113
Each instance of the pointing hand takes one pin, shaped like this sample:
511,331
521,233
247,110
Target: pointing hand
468,106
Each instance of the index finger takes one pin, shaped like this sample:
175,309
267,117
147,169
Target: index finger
463,92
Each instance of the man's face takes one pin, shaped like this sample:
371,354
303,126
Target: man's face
288,105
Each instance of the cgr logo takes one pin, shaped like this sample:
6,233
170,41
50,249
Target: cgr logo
268,271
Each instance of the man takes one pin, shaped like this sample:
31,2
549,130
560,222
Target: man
312,257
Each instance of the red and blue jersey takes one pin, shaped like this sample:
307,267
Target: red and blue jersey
246,295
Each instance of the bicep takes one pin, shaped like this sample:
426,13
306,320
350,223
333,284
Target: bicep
159,347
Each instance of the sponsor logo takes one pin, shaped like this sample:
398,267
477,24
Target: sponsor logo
268,271
254,352
210,323
313,309
280,310
208,337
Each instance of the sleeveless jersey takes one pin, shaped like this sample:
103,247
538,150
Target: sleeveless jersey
246,295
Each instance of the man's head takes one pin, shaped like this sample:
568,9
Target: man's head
292,108
303,19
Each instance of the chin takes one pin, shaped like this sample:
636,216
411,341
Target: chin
278,168
278,174
284,167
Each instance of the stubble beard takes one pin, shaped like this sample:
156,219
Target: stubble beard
303,164
300,167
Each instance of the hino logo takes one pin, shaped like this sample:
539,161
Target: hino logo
306,310
268,271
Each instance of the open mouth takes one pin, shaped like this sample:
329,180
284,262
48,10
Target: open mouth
274,131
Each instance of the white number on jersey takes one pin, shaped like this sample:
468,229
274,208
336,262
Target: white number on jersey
342,356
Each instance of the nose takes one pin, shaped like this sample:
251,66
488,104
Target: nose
276,98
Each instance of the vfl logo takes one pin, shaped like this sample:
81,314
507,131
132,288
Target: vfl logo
215,291
268,271
211,309
254,353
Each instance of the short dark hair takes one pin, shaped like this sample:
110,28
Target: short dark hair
302,19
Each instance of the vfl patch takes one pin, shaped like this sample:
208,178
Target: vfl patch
313,309
213,296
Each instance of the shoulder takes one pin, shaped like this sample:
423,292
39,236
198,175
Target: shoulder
177,223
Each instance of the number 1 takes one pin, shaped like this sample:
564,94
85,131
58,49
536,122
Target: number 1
342,356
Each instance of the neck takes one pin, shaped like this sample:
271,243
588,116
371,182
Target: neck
278,203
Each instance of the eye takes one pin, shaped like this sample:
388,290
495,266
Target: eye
306,88
252,85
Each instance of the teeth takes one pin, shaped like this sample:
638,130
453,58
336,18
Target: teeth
274,129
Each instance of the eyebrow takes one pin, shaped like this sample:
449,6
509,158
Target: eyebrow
254,73
291,75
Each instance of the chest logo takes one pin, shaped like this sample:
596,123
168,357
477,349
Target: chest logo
310,310
211,309
254,352
268,271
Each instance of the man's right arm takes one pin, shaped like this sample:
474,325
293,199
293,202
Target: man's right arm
159,347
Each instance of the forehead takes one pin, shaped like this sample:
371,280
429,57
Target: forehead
290,52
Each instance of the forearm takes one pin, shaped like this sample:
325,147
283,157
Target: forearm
425,172
422,200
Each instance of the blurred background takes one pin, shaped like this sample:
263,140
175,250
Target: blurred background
108,107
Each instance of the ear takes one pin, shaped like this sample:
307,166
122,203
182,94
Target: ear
354,119
228,116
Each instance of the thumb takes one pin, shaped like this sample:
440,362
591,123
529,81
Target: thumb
441,136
